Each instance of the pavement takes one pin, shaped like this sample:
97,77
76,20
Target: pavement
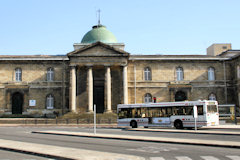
82,154
62,153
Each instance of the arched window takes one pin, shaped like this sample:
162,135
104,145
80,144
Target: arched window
211,74
179,73
50,102
147,74
18,74
50,74
180,96
148,98
212,97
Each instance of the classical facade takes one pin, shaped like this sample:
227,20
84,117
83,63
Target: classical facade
100,72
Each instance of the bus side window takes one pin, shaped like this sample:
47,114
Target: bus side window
174,111
189,110
200,110
169,111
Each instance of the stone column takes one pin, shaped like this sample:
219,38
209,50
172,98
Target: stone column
90,90
125,85
73,89
108,85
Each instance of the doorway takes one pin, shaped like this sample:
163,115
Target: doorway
98,98
180,96
17,103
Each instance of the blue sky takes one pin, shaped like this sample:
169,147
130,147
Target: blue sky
50,27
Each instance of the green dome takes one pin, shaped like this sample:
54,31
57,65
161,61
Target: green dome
99,33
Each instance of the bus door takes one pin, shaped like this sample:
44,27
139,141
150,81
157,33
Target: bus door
161,116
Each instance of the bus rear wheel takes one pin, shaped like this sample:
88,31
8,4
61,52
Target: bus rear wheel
178,124
133,124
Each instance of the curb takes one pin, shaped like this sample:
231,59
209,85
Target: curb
184,131
226,144
34,153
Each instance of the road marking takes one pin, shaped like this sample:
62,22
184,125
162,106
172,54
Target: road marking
209,158
183,158
150,149
234,157
156,158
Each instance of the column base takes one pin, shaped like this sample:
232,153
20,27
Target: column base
108,111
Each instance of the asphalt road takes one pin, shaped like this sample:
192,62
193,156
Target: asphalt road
145,149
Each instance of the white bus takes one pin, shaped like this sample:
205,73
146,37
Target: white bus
168,114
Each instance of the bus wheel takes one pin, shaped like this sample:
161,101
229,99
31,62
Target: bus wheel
178,124
133,124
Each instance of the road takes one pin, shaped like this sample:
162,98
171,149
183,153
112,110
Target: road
148,150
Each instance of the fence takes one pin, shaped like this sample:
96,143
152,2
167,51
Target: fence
46,121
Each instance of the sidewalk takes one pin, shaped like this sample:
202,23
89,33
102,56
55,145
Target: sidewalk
147,139
199,131
65,153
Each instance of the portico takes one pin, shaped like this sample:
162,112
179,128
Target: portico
97,78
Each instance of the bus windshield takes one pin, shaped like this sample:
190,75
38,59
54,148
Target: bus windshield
211,108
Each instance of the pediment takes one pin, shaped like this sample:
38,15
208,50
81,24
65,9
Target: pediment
98,49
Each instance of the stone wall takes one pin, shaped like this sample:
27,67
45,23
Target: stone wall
163,84
34,85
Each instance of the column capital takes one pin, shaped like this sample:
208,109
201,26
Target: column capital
107,65
89,65
73,65
124,64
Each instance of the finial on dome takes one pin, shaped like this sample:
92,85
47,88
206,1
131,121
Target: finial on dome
99,17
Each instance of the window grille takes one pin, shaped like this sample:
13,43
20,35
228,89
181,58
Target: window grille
147,74
211,74
50,102
148,98
18,74
50,74
179,72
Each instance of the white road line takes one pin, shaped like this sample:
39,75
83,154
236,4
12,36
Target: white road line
209,158
156,158
183,158
233,157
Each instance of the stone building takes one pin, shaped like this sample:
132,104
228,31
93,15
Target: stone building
100,72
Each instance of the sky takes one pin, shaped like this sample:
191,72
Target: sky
51,27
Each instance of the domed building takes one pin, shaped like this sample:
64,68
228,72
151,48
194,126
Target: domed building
99,33
99,71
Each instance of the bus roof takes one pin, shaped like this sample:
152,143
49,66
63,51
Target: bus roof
166,104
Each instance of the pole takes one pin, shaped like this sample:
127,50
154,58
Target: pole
135,92
195,115
235,114
94,107
195,124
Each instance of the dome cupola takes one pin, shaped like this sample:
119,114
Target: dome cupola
99,33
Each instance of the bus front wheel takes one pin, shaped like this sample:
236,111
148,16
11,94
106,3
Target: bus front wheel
178,124
133,124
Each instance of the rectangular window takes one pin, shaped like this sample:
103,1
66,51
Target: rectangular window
211,108
18,74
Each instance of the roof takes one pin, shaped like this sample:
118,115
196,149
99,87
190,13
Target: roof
73,53
176,57
99,33
34,57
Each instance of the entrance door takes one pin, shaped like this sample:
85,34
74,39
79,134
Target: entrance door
98,98
17,102
180,96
